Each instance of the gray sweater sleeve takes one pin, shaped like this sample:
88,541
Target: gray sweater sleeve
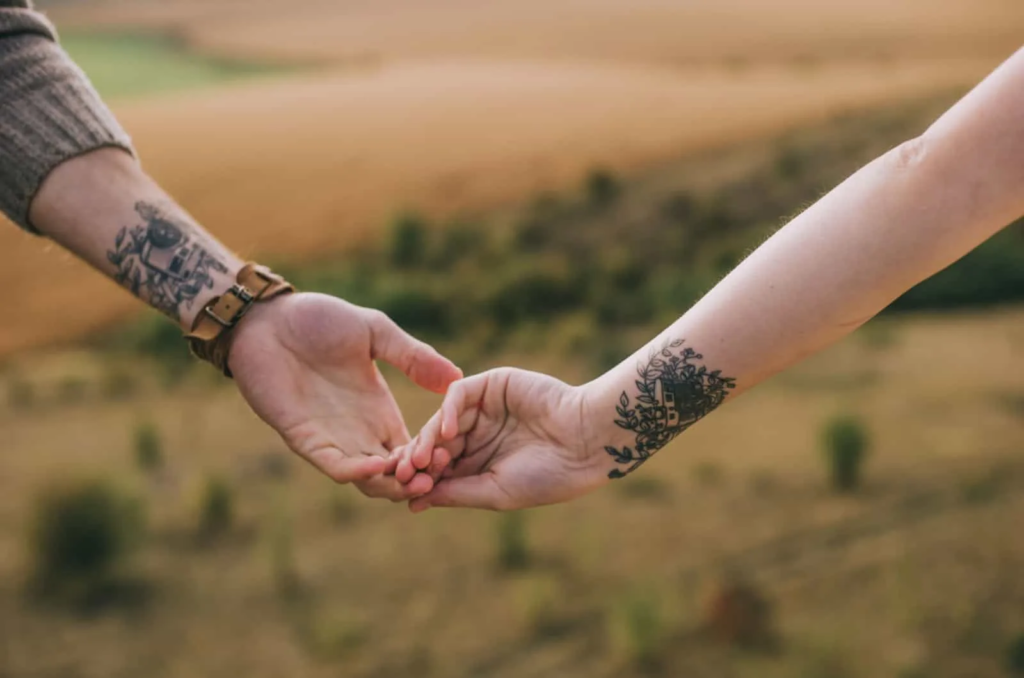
49,112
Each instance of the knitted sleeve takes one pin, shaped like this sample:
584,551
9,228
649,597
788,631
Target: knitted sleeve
49,112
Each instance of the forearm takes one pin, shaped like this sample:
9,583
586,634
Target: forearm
103,208
897,221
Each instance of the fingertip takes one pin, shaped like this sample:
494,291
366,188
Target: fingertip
449,421
421,456
404,471
418,505
420,485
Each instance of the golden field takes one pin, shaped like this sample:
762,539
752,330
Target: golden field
464,107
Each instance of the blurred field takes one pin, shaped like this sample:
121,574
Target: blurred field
459,107
318,163
930,545
649,31
134,65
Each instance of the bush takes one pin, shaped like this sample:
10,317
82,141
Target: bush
460,240
21,394
81,537
845,442
408,240
536,295
149,455
418,312
991,274
513,549
602,188
1015,656
535,230
738,614
642,629
118,384
216,508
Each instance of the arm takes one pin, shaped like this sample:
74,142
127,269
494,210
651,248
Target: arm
304,362
897,221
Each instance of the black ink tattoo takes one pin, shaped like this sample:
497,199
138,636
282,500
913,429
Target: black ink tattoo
163,261
674,393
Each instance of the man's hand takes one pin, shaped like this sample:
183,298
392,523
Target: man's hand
305,364
517,438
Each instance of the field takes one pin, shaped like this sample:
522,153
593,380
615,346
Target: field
455,112
311,580
552,163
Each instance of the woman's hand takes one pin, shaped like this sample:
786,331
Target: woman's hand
305,364
516,438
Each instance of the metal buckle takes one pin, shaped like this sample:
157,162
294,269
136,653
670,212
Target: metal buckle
244,295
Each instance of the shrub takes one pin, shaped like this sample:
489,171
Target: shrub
72,390
642,630
708,474
602,188
149,454
537,226
1015,656
341,508
21,394
282,554
81,537
460,240
118,384
736,613
216,508
536,295
991,274
513,549
408,240
417,311
845,441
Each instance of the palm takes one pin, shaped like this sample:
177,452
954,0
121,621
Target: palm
523,446
305,364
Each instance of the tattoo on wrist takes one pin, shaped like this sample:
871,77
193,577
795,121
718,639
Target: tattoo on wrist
163,260
674,392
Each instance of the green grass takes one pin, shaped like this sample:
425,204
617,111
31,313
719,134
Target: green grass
134,65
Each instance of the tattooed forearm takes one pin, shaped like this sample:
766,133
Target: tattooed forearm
163,261
674,392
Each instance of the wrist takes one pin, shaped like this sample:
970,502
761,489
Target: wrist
220,282
600,402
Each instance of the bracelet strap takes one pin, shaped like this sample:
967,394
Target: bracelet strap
210,338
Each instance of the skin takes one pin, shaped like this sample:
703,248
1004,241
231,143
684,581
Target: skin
520,439
305,363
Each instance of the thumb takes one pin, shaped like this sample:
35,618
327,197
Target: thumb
419,361
482,492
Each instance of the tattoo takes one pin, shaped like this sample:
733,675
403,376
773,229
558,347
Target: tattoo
674,393
163,261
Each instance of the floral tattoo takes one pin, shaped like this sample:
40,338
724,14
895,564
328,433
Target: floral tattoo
674,392
163,261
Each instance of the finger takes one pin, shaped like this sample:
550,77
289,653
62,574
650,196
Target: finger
392,461
472,492
405,471
333,463
419,361
462,396
442,458
423,447
388,487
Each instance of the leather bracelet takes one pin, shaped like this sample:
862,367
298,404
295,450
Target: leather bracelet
210,338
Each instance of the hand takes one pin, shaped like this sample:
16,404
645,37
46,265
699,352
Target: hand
305,364
517,439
